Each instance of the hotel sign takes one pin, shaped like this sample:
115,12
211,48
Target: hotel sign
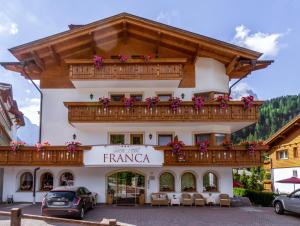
123,155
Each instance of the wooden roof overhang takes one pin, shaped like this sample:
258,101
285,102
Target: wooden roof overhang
36,56
284,131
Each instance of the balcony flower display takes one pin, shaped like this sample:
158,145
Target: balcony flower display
16,145
40,146
223,101
72,146
202,146
198,101
248,101
176,146
175,103
151,102
98,60
104,101
123,58
251,146
128,102
146,58
227,144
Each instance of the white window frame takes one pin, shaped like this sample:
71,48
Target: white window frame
285,156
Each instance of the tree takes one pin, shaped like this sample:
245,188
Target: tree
243,178
252,181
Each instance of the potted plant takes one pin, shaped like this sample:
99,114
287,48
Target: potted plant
151,102
98,60
41,146
198,102
202,146
72,146
177,149
175,103
248,101
104,101
223,101
16,145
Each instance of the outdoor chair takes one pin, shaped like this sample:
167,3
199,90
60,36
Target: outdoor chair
199,200
224,200
186,199
159,199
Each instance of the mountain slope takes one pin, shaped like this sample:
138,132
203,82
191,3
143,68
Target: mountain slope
274,114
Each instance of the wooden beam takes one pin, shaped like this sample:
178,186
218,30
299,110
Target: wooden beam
157,44
197,52
125,33
231,66
54,54
38,60
93,43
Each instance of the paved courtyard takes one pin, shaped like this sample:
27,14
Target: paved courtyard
175,216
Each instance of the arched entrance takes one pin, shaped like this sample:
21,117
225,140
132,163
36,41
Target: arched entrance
126,187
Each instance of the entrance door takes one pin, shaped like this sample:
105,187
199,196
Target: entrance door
126,187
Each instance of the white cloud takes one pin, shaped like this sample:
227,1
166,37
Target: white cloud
167,17
268,44
7,26
240,90
31,108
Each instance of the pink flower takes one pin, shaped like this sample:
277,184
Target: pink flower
72,146
98,60
152,101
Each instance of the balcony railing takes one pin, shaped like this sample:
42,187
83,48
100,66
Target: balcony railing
238,156
50,156
116,112
132,69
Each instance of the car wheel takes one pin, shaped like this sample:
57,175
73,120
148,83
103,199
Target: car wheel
279,208
81,214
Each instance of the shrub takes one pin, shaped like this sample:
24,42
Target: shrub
256,197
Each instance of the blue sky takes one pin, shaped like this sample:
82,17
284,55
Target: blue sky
271,26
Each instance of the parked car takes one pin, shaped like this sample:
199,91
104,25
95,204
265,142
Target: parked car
289,203
68,201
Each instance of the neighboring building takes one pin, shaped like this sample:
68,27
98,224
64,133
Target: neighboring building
10,120
125,154
284,155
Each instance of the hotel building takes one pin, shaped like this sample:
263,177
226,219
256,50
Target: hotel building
125,156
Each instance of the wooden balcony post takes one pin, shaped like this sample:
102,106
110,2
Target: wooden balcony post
15,217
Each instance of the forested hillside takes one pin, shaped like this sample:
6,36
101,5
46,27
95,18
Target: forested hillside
273,115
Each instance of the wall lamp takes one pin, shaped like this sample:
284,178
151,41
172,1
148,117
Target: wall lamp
182,96
92,96
150,136
74,136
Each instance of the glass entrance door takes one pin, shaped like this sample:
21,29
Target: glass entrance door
126,188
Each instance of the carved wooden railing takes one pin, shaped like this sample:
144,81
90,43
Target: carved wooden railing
50,156
132,69
116,112
238,156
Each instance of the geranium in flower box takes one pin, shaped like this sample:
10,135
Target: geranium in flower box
251,146
176,146
98,60
40,146
227,144
123,58
248,101
198,101
151,102
223,101
104,101
175,103
16,145
202,146
128,102
72,146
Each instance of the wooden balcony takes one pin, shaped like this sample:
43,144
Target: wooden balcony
82,112
50,156
132,69
238,156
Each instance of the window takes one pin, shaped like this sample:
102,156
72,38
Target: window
295,150
46,182
296,195
210,182
26,181
188,182
136,139
117,139
166,182
164,139
164,97
283,154
137,97
295,173
66,179
202,138
219,138
117,97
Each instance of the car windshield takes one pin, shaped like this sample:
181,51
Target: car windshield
69,195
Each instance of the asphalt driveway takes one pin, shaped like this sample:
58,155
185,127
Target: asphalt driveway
175,216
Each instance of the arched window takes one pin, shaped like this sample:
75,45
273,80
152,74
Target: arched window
46,182
166,182
188,182
66,179
210,182
26,181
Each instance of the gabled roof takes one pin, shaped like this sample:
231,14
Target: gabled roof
238,60
280,134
